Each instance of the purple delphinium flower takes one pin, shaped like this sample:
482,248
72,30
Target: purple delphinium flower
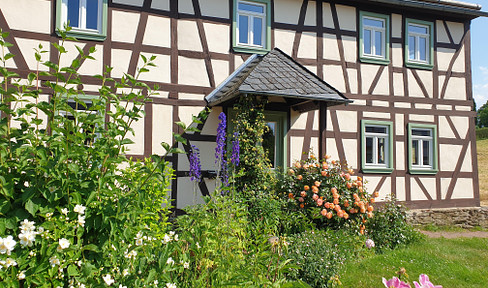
235,150
195,166
395,283
425,282
224,176
220,149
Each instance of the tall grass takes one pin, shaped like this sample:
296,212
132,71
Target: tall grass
482,148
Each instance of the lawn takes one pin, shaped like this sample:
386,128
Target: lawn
482,147
452,263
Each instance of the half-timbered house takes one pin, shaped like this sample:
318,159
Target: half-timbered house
382,84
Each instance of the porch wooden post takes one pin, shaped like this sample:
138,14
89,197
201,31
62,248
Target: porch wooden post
322,129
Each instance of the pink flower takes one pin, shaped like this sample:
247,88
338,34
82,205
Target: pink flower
315,197
425,283
395,283
320,202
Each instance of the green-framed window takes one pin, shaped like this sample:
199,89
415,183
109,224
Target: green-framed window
422,149
374,38
87,18
252,26
376,146
419,44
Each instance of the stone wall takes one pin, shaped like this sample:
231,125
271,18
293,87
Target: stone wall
461,217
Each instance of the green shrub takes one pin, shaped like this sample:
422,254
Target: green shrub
481,133
389,228
320,255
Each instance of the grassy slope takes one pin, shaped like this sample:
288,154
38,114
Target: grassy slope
482,148
451,263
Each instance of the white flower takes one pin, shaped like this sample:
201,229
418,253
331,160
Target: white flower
81,220
32,253
139,238
156,282
27,238
125,272
21,275
166,239
108,279
120,286
26,226
369,243
65,211
54,261
80,209
81,285
186,265
171,233
7,245
198,246
170,261
170,285
52,189
49,215
63,244
131,255
10,262
40,229
79,263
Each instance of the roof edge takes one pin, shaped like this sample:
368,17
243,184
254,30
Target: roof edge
466,9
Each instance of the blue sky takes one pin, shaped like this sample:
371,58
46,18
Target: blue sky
479,55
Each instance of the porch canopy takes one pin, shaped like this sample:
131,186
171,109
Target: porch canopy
277,74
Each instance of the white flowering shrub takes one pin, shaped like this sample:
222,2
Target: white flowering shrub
70,214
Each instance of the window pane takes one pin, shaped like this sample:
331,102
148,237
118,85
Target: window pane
376,129
369,150
243,29
251,8
378,45
92,14
426,153
418,29
74,13
373,22
381,150
257,31
411,47
367,41
269,142
421,132
423,48
415,152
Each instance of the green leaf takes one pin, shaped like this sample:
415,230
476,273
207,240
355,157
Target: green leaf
91,247
72,270
165,146
181,124
179,138
31,207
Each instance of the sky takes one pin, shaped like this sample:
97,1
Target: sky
479,55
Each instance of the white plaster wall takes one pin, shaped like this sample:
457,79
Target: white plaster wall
368,73
210,127
315,124
457,31
190,96
160,73
126,23
185,7
162,127
334,76
298,120
444,56
185,113
329,120
220,70
382,115
400,189
331,149
188,39
296,146
158,32
137,3
287,11
351,149
413,87
311,15
430,186
314,145
443,107
441,32
160,5
347,17
71,53
238,61
327,16
137,148
207,156
448,156
427,79
215,8
463,189
28,15
192,72
331,49
347,121
27,46
456,89
467,165
461,124
396,25
416,191
284,40
93,67
402,105
360,102
372,182
444,186
421,118
120,62
396,54
186,195
445,130
353,80
350,48
399,124
423,106
161,94
399,157
313,69
463,108
459,64
308,46
218,37
398,84
379,103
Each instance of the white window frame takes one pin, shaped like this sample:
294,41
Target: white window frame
82,17
421,140
376,137
374,29
417,43
251,16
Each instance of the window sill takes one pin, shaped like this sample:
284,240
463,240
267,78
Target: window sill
425,66
377,170
254,50
85,35
372,60
423,171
